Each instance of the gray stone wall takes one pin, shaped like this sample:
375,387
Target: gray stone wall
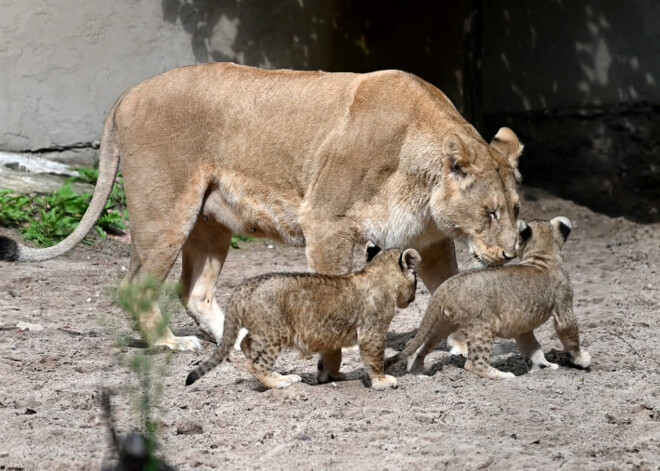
575,79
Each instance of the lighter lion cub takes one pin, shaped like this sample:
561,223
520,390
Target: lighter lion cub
318,314
508,302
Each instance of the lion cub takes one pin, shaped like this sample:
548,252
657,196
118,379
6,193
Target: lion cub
508,302
318,314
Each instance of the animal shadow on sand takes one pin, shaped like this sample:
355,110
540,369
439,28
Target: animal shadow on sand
506,356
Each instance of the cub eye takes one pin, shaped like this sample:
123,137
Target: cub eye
493,214
516,210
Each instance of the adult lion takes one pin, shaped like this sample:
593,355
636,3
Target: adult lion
313,159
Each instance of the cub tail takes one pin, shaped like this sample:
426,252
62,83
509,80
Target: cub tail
426,331
229,336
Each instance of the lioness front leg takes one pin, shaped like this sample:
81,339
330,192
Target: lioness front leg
204,255
531,351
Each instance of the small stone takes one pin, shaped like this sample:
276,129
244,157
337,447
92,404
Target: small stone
29,326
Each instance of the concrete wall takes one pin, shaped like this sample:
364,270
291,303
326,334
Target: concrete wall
576,79
62,65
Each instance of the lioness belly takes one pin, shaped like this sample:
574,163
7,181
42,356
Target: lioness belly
271,213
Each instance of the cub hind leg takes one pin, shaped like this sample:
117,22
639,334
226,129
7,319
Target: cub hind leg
262,356
440,331
328,367
438,264
480,345
531,351
204,255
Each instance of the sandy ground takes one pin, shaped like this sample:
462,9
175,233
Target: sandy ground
607,418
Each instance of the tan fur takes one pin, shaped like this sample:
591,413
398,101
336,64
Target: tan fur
314,159
508,302
318,314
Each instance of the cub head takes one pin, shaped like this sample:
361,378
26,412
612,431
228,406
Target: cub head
542,237
477,198
399,269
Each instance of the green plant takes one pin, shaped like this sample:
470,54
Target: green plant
13,210
236,238
138,299
46,220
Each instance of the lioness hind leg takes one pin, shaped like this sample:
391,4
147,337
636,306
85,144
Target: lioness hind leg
478,362
328,367
204,255
531,350
153,253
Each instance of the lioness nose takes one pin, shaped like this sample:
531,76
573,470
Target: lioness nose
508,256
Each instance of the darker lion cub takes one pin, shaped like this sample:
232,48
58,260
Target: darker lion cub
318,314
508,302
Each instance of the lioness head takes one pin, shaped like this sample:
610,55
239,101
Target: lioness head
477,198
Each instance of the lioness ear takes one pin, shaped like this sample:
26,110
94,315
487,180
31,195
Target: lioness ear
508,144
563,225
410,260
524,231
455,157
372,251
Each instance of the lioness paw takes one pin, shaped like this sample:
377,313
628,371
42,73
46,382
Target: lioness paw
180,343
383,382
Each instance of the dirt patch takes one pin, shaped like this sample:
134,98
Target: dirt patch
606,418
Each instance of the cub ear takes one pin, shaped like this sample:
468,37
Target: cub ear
455,155
524,231
410,260
372,251
563,225
508,144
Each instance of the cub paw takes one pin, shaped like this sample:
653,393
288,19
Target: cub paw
327,377
383,382
582,359
284,381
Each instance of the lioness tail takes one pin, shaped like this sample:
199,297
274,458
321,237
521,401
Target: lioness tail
11,251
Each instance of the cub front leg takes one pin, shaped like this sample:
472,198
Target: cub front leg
372,351
569,335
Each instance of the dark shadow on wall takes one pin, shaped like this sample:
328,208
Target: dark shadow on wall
333,35
576,81
571,78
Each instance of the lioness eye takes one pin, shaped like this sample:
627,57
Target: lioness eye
516,210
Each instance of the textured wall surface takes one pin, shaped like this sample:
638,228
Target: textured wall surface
62,65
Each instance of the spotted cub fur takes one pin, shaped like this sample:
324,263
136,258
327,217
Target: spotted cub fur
318,314
507,302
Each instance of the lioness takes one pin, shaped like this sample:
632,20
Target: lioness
314,159
508,302
318,314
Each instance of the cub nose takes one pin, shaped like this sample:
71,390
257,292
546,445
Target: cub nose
508,255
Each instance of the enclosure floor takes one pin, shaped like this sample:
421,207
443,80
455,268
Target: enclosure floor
606,418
